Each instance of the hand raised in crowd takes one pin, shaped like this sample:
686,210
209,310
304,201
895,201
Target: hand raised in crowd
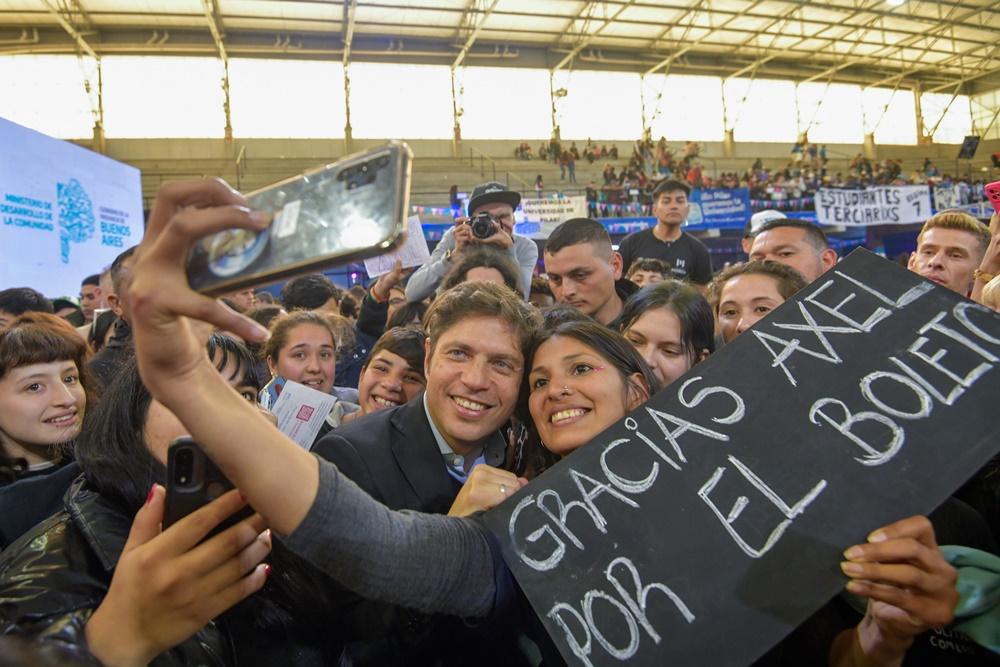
182,213
168,585
172,359
388,280
910,589
486,488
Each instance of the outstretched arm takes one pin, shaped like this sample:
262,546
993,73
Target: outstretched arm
279,478
391,556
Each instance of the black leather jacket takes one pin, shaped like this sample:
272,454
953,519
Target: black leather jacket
55,576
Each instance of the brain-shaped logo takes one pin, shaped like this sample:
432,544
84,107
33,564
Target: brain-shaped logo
76,216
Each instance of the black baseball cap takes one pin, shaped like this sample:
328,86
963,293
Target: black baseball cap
488,193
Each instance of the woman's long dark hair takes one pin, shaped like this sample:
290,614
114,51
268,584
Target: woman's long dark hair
610,346
117,463
691,308
111,448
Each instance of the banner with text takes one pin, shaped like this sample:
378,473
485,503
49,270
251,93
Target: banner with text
548,213
65,212
720,508
888,205
719,208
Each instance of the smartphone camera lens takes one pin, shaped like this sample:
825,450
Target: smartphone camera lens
184,467
359,176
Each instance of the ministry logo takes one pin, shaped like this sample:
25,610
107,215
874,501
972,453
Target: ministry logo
76,216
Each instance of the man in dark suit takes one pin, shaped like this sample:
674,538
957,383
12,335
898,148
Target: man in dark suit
417,456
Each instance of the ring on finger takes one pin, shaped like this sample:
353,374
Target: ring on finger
503,489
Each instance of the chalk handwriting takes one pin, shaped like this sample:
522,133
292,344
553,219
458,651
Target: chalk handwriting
631,608
790,512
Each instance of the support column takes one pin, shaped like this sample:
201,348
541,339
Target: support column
922,139
348,138
728,144
728,139
456,138
552,100
100,143
870,151
227,108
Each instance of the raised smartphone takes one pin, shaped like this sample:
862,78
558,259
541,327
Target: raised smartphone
993,192
351,209
193,481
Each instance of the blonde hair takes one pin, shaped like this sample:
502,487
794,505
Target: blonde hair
952,219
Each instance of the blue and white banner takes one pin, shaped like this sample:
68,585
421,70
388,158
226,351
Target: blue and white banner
719,208
887,205
65,212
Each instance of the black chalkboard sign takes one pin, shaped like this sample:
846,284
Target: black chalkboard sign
710,522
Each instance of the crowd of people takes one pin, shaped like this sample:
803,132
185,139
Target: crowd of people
628,185
455,385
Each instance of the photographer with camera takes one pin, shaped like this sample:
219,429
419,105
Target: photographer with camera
490,222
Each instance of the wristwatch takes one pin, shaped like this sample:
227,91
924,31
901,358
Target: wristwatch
984,276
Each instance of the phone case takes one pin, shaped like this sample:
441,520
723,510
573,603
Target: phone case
354,208
205,483
993,192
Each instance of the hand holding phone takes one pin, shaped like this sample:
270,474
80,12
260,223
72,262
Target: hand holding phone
354,208
193,481
165,587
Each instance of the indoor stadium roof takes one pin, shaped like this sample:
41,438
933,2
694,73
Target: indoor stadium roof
941,46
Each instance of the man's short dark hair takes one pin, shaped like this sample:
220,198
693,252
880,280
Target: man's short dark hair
308,292
650,264
479,299
117,267
671,185
576,231
815,235
19,300
94,280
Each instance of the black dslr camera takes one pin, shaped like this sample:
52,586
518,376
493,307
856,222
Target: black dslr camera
483,225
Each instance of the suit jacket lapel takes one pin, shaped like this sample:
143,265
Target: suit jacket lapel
419,458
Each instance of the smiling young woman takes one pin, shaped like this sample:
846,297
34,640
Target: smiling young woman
44,392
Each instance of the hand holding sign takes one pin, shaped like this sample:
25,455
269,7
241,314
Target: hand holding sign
721,506
909,585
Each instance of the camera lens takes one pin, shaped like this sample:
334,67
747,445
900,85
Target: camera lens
482,226
184,467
